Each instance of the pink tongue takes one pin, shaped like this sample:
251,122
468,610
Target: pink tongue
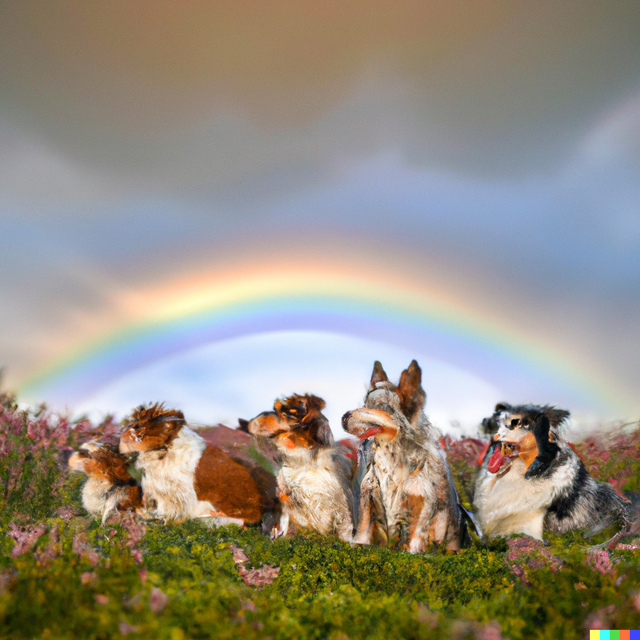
496,460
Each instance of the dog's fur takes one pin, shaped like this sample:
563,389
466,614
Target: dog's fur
184,477
534,481
109,488
407,496
315,477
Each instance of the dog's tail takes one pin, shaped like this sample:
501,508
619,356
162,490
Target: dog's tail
468,520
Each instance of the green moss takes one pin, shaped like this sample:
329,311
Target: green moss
324,588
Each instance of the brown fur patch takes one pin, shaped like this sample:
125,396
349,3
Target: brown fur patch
528,449
233,488
133,500
295,439
414,505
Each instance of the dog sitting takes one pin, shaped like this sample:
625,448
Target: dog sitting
184,477
109,488
533,481
315,476
407,496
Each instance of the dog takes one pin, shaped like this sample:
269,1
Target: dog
184,477
110,488
315,476
533,480
407,495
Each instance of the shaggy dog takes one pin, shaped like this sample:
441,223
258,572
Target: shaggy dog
315,477
407,496
534,481
184,477
109,487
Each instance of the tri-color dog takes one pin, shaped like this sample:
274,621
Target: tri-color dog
109,488
184,477
407,495
315,477
533,481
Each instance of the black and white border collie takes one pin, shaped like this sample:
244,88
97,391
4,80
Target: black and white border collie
533,480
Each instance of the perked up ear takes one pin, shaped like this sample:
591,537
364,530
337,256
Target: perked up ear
378,375
243,425
556,416
412,395
503,406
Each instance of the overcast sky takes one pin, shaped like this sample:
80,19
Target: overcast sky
489,149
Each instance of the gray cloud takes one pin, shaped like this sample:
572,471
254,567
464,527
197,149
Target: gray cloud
496,145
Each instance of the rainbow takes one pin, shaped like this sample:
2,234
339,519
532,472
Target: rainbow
352,301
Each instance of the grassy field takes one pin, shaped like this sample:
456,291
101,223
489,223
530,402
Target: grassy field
62,575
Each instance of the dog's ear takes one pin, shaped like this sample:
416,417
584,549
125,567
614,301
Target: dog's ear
314,406
412,395
556,416
378,375
502,406
243,425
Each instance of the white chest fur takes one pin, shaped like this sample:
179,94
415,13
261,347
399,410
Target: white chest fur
511,503
168,481
317,495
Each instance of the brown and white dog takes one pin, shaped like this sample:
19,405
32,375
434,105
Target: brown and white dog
534,481
315,476
407,496
110,488
184,477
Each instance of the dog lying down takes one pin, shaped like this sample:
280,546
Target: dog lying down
109,488
533,481
184,477
315,477
407,496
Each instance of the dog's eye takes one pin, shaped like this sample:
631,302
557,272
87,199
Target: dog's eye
514,423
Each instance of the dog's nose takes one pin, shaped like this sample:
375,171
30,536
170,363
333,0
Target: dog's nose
66,454
345,419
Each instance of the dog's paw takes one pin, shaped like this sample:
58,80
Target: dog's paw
276,532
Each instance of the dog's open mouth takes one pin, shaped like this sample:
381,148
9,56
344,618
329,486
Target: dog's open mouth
373,431
502,455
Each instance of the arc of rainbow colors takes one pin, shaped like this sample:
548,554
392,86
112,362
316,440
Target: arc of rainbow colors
183,316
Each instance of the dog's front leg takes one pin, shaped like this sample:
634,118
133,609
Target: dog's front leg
364,529
424,525
372,524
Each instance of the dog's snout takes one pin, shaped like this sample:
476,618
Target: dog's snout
66,454
345,419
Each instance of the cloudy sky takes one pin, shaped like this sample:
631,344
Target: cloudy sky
214,204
